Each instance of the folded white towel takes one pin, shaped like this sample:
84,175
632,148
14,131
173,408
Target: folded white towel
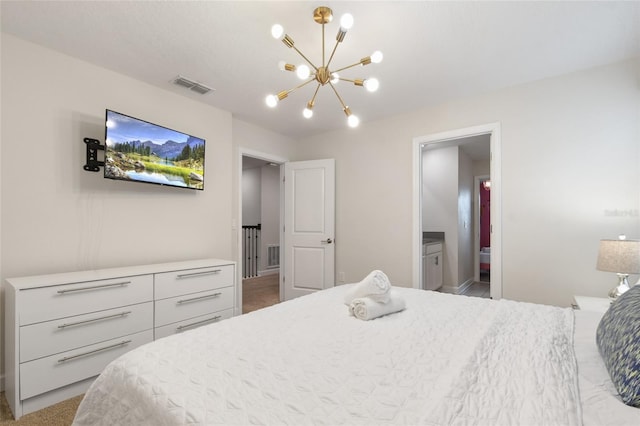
365,308
376,286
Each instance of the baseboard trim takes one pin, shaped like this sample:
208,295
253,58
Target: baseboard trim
457,289
465,285
269,272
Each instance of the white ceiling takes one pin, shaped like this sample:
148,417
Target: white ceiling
433,51
254,163
478,148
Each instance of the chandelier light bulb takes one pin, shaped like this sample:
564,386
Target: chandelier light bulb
346,22
281,65
376,57
335,78
371,84
353,121
303,72
277,31
272,101
307,113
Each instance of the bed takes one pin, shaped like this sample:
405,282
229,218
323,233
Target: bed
443,360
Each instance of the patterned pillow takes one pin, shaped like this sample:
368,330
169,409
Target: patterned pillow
618,339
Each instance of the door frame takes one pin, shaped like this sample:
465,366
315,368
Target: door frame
496,198
237,222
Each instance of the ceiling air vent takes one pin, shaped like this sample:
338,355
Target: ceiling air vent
192,85
200,88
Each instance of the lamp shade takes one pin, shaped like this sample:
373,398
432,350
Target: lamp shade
620,256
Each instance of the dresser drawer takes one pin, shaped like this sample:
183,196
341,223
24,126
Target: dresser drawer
172,284
47,303
45,374
192,305
192,323
51,337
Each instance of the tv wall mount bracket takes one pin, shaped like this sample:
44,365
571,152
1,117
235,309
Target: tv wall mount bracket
93,146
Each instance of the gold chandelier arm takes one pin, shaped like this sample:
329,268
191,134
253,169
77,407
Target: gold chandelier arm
333,53
344,107
363,61
288,41
323,43
357,81
313,99
285,93
305,58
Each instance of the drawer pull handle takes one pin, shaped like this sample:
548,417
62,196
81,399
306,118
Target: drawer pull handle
193,324
95,287
197,274
106,348
193,299
121,314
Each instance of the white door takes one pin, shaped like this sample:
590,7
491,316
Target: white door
309,227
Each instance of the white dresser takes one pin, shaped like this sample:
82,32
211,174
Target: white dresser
191,298
61,330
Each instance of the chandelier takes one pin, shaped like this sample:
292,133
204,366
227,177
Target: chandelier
322,75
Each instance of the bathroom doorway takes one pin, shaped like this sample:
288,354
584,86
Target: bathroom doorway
462,245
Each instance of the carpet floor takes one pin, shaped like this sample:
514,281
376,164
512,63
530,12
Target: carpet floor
60,414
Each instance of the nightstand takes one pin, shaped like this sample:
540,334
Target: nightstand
595,304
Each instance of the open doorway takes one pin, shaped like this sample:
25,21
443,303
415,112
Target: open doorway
259,234
455,172
314,184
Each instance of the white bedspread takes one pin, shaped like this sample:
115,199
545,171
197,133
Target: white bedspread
443,360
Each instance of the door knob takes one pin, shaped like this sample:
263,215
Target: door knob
327,241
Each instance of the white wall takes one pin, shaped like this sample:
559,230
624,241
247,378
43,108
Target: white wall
63,218
257,140
440,205
57,217
570,154
447,188
465,218
481,168
251,196
270,211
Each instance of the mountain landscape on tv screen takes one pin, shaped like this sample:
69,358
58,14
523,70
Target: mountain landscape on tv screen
169,149
145,152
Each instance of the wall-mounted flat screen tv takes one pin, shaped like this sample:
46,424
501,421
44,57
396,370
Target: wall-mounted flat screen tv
139,151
